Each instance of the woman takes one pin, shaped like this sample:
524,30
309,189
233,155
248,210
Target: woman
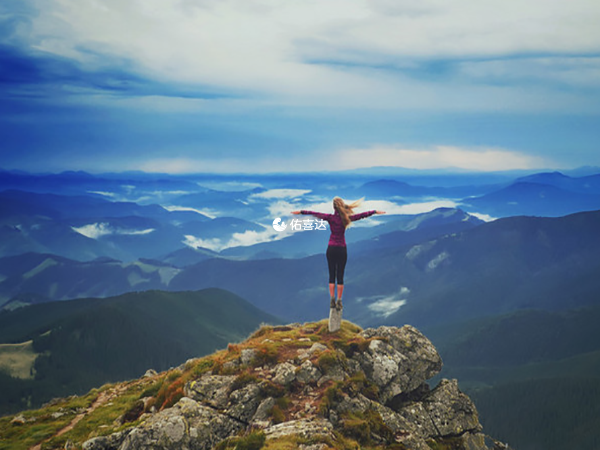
336,250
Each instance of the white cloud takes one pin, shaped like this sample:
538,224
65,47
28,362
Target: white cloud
210,213
568,71
280,193
211,244
98,230
484,217
441,157
282,208
385,305
393,155
326,52
104,193
247,238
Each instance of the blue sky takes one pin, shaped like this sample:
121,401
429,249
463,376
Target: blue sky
261,86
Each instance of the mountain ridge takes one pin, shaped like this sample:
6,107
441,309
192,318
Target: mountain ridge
292,386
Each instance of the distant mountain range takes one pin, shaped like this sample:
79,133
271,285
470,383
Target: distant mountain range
83,343
512,303
59,278
496,267
533,199
445,269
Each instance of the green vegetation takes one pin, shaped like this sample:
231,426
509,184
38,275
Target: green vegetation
542,413
38,426
253,441
445,444
362,426
119,406
533,375
84,343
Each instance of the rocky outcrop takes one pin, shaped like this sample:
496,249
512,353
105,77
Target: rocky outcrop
319,389
188,424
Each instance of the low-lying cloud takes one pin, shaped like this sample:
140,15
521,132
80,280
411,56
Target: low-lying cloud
245,239
101,229
386,305
210,213
280,194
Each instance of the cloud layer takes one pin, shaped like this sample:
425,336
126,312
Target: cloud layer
379,53
270,85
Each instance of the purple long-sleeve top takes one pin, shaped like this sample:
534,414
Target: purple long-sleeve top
338,230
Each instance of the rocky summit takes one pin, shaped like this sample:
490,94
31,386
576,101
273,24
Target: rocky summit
285,387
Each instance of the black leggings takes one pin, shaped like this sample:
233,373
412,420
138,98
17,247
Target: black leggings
336,260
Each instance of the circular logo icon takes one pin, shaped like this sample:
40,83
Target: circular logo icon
279,225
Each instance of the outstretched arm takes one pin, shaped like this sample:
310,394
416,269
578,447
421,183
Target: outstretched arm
312,213
365,215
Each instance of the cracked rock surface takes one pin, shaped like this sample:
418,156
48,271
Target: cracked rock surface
368,386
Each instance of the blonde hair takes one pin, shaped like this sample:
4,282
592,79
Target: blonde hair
345,210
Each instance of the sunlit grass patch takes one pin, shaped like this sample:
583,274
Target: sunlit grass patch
103,420
39,425
17,360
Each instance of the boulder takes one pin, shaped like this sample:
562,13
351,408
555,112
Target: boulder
315,348
247,355
186,425
308,373
451,411
211,389
263,411
244,402
304,428
285,373
398,360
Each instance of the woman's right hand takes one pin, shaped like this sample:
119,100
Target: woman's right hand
379,212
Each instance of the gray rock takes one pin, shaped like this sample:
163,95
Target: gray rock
264,410
398,361
315,348
417,414
211,389
358,404
444,412
285,373
313,447
410,342
244,403
111,442
247,356
308,373
187,425
231,366
150,373
305,428
451,411
19,420
401,364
